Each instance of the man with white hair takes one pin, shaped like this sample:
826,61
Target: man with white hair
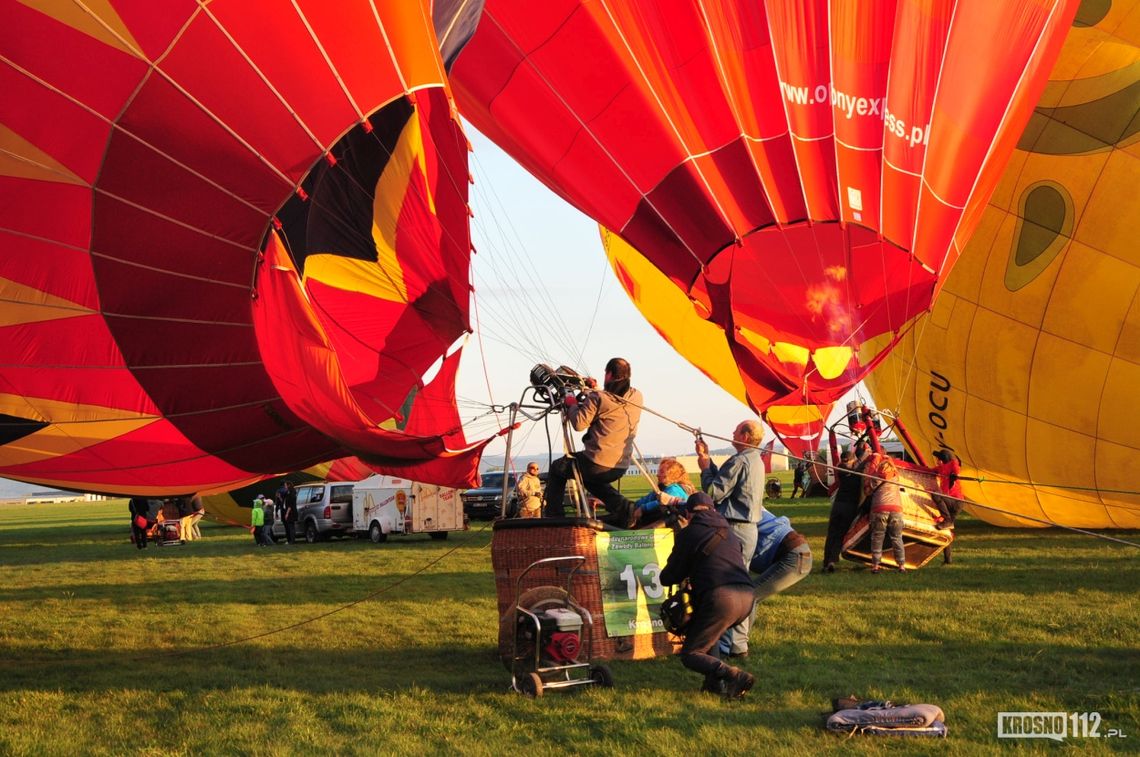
737,488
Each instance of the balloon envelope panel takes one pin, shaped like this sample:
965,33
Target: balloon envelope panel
1028,364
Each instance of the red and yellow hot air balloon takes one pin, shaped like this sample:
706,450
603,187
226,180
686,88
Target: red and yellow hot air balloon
234,241
799,176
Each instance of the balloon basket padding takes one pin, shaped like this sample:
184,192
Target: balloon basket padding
922,539
518,543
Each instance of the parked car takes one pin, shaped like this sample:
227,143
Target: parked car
486,501
323,510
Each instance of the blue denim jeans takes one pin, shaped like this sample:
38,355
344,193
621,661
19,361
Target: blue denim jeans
881,525
790,569
736,639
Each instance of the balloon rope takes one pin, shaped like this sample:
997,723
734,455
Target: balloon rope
697,432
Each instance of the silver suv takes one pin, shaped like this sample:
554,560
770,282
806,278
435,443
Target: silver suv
323,510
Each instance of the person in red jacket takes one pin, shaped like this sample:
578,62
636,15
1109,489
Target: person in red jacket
881,485
949,497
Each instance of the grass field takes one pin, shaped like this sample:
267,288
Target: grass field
108,650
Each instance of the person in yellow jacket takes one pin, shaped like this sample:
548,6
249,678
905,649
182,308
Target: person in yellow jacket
257,520
529,490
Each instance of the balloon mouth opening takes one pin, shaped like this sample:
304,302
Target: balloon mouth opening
816,303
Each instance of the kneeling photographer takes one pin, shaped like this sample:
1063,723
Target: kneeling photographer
706,553
610,419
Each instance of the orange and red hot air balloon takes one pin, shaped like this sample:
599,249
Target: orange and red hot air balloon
799,176
235,237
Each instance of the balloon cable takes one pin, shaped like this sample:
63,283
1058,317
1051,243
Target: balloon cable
697,433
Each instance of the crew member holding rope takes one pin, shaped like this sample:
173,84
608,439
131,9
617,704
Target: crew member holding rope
737,488
610,419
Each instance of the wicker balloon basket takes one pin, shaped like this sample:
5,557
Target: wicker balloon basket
517,543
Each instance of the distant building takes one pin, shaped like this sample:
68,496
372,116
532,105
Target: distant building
55,496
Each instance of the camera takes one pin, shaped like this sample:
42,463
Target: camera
552,384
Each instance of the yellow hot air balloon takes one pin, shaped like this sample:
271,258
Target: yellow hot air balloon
1028,365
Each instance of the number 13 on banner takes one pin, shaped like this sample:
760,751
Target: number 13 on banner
651,582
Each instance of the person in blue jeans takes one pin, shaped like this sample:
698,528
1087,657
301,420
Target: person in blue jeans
737,487
781,560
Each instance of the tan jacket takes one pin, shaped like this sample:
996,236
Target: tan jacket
612,426
529,488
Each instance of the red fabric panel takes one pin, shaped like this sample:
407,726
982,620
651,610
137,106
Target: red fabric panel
355,45
232,92
861,35
132,290
133,235
916,58
57,270
283,50
307,375
156,25
799,31
162,116
434,410
59,212
90,71
75,137
168,342
798,439
142,177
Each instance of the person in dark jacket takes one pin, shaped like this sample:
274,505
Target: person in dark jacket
844,507
139,507
706,553
288,495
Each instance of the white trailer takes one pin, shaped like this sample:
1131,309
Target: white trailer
390,505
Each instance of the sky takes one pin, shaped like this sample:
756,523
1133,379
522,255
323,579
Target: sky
545,293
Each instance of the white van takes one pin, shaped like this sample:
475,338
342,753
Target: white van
390,505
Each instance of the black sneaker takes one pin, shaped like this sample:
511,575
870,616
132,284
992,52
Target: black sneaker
738,683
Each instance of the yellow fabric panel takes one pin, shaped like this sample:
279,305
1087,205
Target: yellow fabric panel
1027,304
1066,458
354,275
56,440
104,26
670,311
1058,366
996,366
832,361
793,414
1128,344
871,348
80,426
1116,469
756,339
1088,277
41,409
23,304
1115,197
1119,420
996,436
21,159
786,352
383,278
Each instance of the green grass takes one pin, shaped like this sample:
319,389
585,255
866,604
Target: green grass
108,650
